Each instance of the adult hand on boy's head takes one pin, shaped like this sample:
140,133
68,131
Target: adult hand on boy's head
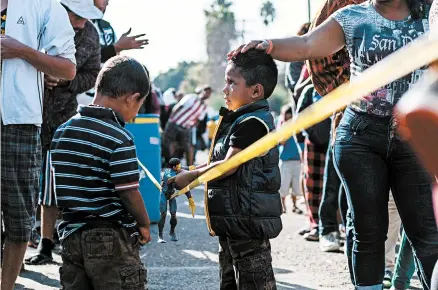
257,44
184,178
145,235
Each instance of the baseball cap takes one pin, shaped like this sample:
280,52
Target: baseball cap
202,88
83,8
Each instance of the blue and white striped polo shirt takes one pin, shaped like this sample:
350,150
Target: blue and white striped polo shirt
92,158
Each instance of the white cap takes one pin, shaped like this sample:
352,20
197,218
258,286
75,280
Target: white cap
83,8
169,97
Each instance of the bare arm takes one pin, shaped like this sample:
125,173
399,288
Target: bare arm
134,204
231,152
325,40
184,178
52,65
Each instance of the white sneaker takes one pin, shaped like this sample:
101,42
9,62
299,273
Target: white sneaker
329,242
161,240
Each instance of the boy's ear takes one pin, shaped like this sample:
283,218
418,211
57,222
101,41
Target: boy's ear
132,99
258,91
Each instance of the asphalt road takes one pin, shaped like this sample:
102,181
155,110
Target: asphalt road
192,262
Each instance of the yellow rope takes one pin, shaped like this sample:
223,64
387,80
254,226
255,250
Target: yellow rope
149,175
423,51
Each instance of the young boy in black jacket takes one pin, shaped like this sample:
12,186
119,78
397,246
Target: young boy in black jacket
243,206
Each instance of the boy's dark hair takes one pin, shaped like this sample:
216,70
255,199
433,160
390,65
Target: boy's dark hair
174,162
257,67
122,75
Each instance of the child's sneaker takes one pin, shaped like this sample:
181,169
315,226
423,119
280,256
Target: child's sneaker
173,237
329,242
387,280
161,240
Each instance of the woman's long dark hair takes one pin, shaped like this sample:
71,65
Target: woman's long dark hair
147,104
416,7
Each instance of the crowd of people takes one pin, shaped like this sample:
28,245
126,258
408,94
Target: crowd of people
67,94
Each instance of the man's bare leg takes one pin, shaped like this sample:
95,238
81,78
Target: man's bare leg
172,150
295,209
190,155
283,203
12,260
48,221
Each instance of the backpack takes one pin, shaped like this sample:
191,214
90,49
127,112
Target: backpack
319,134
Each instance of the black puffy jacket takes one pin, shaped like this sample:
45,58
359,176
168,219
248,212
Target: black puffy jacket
246,204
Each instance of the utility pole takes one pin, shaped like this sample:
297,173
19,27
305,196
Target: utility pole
241,33
309,10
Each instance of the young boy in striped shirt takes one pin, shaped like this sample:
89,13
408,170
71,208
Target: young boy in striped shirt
95,180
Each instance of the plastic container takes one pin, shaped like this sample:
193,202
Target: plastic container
145,128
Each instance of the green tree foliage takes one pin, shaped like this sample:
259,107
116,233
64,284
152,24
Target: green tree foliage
194,78
278,98
174,76
220,31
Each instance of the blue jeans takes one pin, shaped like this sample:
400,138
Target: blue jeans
405,266
333,197
371,159
435,278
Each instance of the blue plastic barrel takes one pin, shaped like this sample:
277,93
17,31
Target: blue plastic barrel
145,129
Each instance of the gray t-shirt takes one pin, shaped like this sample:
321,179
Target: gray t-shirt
369,38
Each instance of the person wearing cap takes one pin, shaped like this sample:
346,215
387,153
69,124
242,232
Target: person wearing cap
60,105
109,45
28,27
184,117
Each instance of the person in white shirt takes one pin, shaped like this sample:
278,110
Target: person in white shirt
30,27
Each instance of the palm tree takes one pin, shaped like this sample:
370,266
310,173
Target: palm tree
220,31
267,12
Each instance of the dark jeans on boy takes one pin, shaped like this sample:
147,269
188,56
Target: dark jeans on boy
252,263
102,259
372,159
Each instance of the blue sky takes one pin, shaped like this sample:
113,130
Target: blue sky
176,28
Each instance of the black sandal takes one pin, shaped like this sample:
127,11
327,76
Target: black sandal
297,210
38,259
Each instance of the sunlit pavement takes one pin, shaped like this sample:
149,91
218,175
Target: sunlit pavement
192,262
